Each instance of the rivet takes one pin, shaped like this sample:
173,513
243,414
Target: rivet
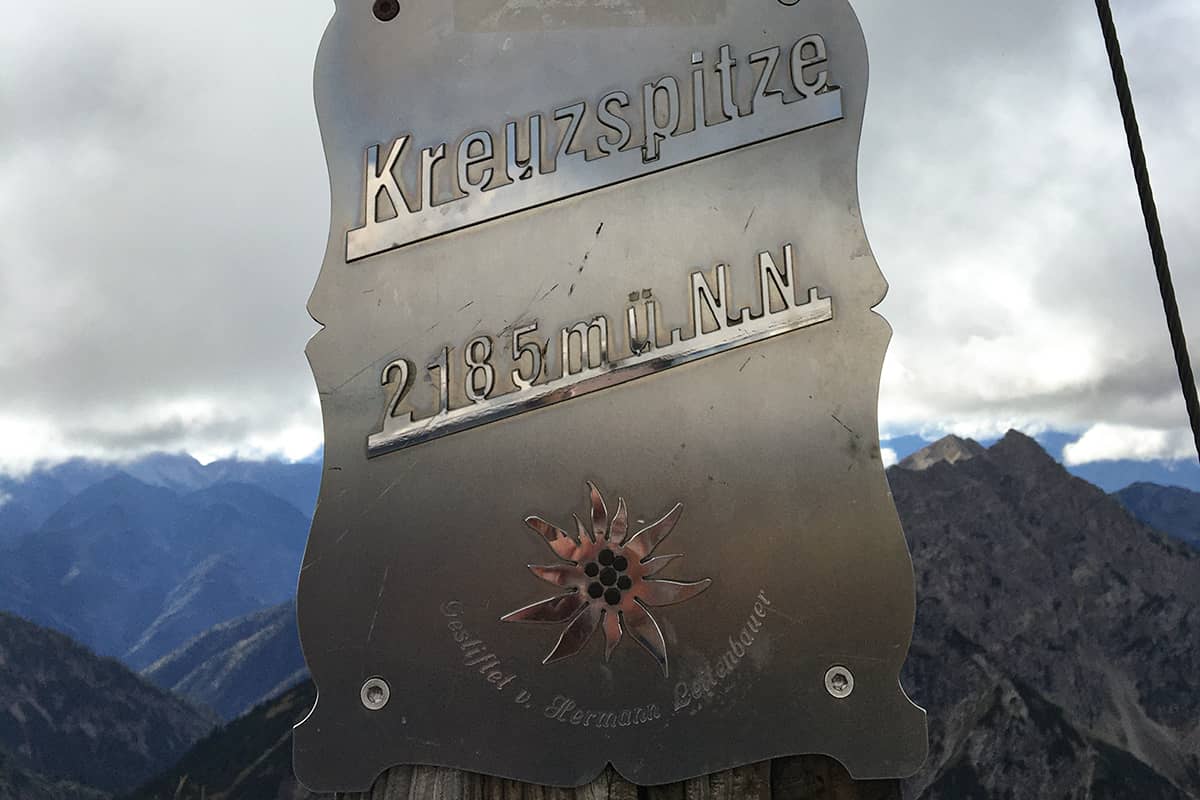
386,10
839,682
375,694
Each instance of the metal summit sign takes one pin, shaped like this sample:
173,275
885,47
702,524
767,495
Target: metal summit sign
599,371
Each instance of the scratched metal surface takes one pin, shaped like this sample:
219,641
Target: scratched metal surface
744,441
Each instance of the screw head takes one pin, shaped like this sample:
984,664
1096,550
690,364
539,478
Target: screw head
375,694
839,682
386,10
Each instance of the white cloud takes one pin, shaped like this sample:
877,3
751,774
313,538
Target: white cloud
207,428
889,457
1117,442
292,444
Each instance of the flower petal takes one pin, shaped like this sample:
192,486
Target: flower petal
641,626
555,609
576,635
585,535
558,574
620,523
599,514
668,593
644,541
612,632
563,545
653,566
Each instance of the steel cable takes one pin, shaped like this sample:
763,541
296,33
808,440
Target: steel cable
1158,249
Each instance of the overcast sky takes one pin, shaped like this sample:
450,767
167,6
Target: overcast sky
164,208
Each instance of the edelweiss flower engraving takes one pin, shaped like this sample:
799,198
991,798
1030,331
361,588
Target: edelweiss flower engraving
609,578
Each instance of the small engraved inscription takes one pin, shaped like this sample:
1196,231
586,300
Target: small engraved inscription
564,709
585,349
610,583
693,693
476,655
670,120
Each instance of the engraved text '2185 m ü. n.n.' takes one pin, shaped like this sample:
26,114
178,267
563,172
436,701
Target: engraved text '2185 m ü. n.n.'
583,361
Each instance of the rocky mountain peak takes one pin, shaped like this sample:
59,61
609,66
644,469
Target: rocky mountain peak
1030,466
1065,593
1016,446
949,449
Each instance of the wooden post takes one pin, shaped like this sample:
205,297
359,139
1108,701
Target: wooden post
800,778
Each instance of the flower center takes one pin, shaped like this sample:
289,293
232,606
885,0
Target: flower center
608,577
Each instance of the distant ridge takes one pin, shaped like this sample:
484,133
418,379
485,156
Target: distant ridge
1170,509
36,496
248,759
134,570
19,783
69,715
236,665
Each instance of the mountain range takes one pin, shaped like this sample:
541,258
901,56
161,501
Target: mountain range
1056,647
1058,638
134,561
27,502
1111,475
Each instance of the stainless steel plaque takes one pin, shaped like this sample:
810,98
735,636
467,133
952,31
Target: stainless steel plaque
599,374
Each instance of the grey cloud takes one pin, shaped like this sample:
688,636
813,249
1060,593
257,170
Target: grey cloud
170,434
84,84
1001,204
172,216
163,201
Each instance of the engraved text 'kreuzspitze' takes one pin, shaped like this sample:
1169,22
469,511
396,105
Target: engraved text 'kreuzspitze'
411,195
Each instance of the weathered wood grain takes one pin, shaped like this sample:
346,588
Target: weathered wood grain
802,778
822,778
